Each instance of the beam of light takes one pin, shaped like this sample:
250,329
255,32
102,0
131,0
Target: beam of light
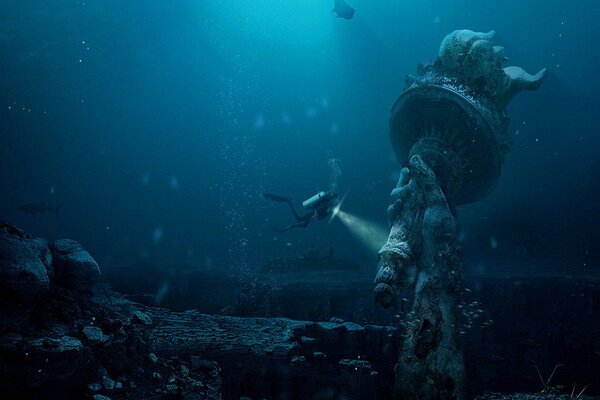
372,235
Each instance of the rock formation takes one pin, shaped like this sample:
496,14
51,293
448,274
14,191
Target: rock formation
25,265
73,266
74,339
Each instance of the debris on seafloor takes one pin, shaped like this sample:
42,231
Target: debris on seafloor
312,260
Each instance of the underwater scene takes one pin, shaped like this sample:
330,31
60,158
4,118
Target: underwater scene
300,199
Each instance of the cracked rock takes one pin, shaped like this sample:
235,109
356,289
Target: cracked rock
94,334
74,267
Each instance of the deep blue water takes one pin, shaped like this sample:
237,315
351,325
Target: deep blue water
158,124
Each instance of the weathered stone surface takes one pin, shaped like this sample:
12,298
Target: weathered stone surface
534,396
73,345
100,397
152,357
94,334
56,345
431,362
266,356
108,382
142,317
472,57
25,265
74,267
262,357
94,387
10,341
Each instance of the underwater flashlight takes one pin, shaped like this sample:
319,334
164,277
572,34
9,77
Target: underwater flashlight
338,207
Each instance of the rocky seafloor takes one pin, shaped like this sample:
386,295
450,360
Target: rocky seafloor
528,396
65,336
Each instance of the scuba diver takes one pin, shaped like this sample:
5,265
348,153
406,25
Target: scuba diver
319,206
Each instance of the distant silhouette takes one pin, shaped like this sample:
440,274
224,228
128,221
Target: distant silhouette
39,208
343,10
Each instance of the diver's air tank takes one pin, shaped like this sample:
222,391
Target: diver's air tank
310,203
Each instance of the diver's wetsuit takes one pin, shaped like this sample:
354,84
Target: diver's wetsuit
321,209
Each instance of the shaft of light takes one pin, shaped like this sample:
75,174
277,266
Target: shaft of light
369,233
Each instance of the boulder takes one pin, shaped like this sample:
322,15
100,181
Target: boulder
94,334
141,317
25,265
74,267
100,397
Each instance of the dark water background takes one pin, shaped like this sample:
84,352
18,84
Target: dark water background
157,125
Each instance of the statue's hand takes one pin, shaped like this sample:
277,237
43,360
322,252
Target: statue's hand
422,227
396,268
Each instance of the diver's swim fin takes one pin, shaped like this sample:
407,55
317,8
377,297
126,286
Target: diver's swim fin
277,198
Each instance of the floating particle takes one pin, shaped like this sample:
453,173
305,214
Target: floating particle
174,183
334,128
259,122
146,179
285,119
157,234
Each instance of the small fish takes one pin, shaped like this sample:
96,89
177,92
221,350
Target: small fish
343,10
39,208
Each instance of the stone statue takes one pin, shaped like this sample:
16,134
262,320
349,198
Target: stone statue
448,128
471,57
